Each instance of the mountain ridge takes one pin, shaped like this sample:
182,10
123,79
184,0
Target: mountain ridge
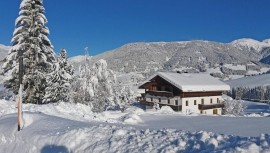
147,56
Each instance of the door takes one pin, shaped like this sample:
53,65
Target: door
215,111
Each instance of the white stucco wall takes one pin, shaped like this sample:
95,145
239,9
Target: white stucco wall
191,108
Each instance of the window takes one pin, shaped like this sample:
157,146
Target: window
154,88
211,101
151,98
159,99
168,101
176,102
195,102
218,100
187,103
162,88
202,101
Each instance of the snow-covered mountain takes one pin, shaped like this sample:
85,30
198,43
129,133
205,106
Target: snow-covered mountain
76,59
251,43
149,57
3,51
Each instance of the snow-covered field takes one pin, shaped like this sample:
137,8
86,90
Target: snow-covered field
66,127
251,81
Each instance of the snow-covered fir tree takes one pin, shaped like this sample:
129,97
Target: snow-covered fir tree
233,107
239,93
258,93
267,94
30,38
94,86
81,86
123,96
59,81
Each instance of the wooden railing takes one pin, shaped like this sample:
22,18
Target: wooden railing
174,107
205,107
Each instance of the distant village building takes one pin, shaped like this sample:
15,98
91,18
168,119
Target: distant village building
253,66
189,93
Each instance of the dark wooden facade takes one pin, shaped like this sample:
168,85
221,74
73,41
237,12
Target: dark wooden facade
213,106
200,94
159,85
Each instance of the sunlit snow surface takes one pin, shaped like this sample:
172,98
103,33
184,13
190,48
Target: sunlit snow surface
73,128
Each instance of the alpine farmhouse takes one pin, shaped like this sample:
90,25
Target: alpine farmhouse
189,93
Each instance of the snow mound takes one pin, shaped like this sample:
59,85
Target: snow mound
134,110
166,110
28,119
120,132
72,111
132,119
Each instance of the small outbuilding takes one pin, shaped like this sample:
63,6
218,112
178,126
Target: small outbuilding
187,92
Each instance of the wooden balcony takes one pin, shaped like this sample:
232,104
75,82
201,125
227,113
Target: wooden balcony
160,93
213,106
143,102
174,107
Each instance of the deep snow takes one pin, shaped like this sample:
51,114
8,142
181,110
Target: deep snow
66,127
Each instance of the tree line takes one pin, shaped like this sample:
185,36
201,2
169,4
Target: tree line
260,93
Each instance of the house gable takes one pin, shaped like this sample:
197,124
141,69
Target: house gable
157,83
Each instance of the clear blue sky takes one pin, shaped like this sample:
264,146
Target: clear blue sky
103,25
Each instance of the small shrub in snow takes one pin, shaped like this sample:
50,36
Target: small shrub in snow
233,107
156,106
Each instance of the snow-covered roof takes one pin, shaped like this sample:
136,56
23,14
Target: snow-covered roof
192,82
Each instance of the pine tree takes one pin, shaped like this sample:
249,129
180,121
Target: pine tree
267,94
239,93
30,38
59,81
